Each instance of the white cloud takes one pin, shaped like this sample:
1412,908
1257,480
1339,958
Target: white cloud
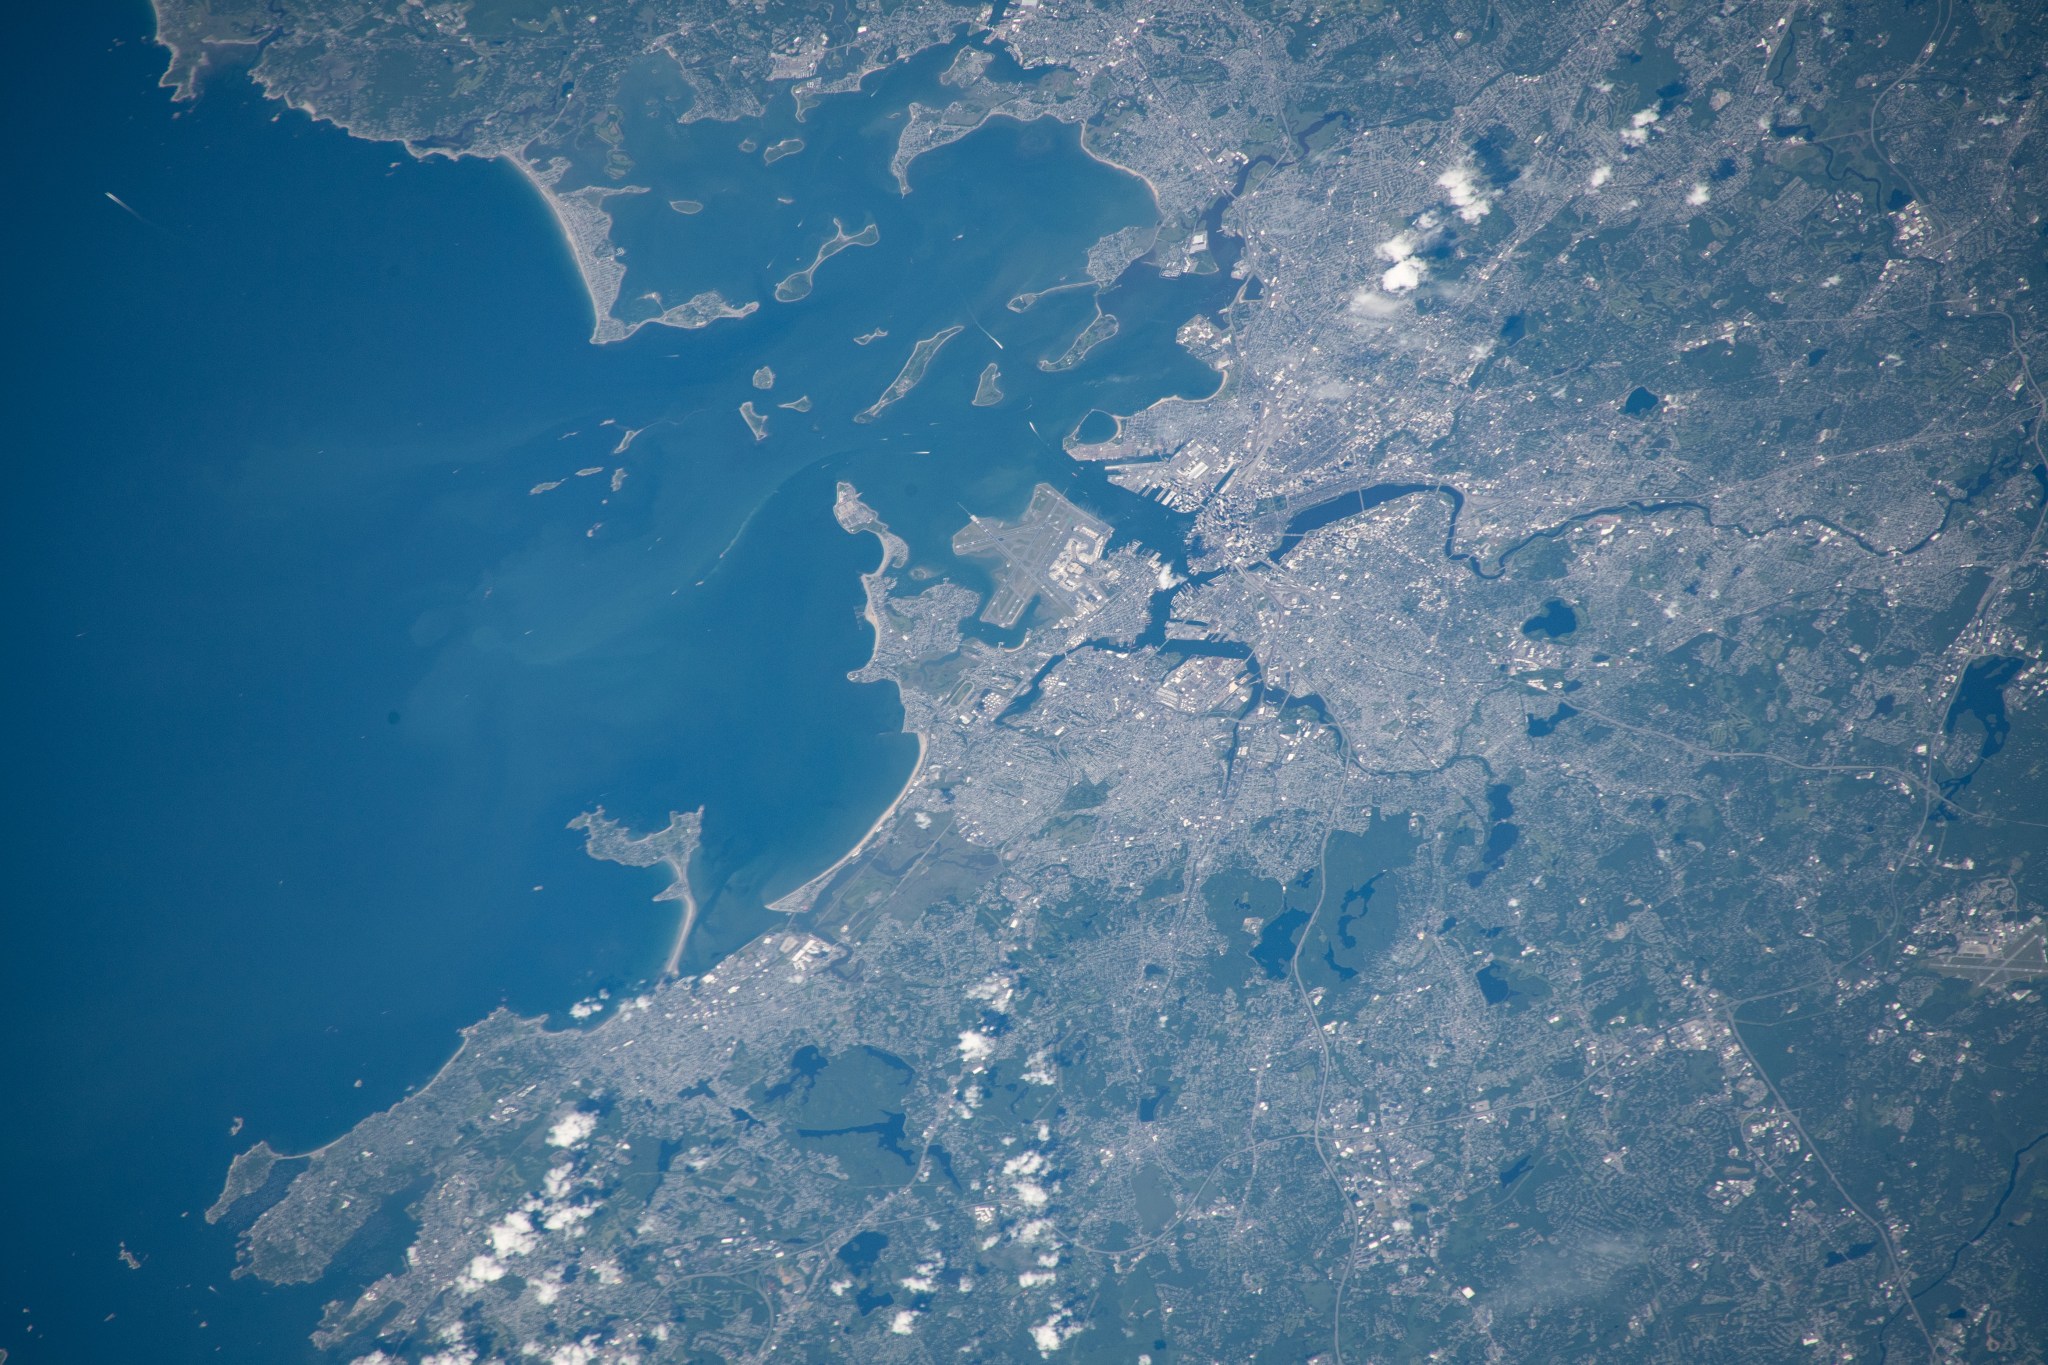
903,1323
1408,270
1602,173
572,1128
996,991
1365,302
975,1046
513,1235
481,1271
1698,195
1403,276
567,1216
1030,1193
1050,1335
1461,186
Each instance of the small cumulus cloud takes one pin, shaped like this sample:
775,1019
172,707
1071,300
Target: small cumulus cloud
1021,1169
1407,271
1373,306
513,1235
1404,275
1050,1335
567,1216
481,1270
995,990
1027,1163
572,1128
1468,197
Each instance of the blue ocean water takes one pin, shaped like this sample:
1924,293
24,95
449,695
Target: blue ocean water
308,681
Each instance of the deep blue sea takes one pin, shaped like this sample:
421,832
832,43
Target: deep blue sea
307,682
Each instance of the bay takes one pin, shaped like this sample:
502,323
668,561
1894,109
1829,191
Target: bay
311,679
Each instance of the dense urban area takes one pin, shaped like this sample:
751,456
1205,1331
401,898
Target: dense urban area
1550,866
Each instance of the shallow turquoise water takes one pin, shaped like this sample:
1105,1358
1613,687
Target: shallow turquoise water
310,682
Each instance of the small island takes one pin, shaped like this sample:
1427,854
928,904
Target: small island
756,420
988,390
798,286
1100,328
912,374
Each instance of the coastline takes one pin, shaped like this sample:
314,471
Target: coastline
856,517
681,892
801,899
263,1155
600,293
674,846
